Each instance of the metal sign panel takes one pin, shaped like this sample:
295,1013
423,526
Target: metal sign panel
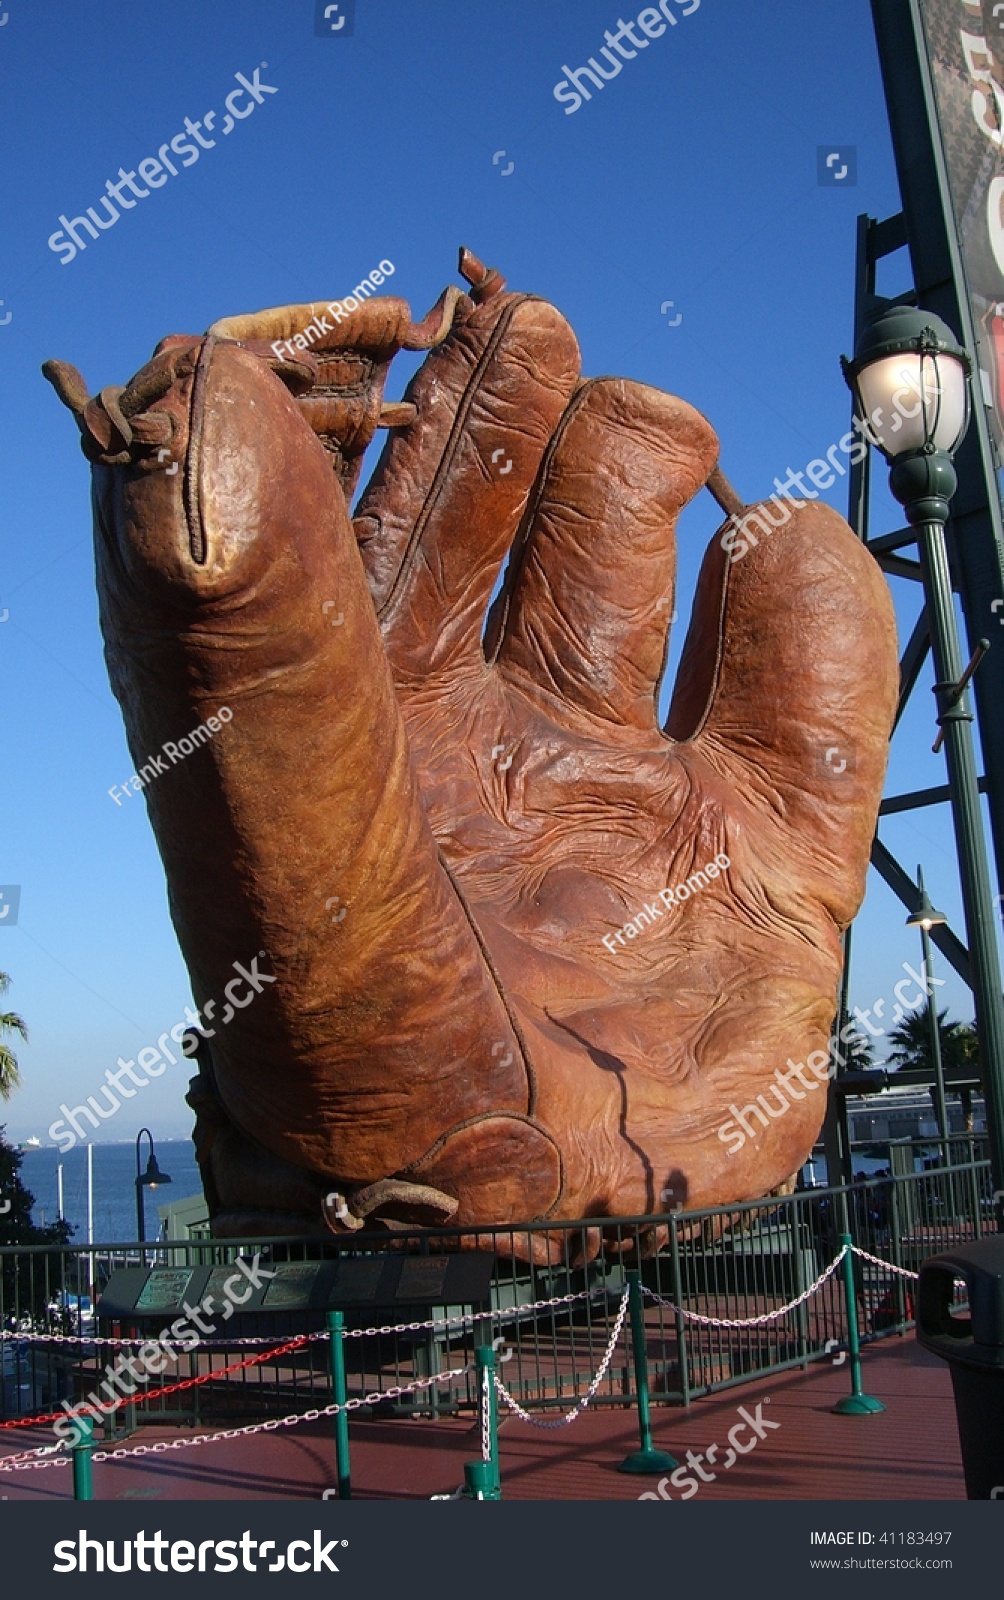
965,49
389,1279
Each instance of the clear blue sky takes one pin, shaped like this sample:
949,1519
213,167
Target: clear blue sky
691,178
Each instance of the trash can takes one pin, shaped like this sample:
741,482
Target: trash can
973,1346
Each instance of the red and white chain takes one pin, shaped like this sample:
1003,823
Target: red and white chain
578,1409
163,1445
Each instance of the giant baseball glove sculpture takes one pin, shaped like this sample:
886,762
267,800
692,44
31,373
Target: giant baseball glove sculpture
444,843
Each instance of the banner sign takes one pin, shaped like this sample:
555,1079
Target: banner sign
965,48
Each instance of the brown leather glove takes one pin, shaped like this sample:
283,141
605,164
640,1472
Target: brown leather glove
435,838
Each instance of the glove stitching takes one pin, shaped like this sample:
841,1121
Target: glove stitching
531,1076
521,543
446,461
198,543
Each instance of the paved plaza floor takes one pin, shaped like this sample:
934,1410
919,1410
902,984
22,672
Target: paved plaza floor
908,1452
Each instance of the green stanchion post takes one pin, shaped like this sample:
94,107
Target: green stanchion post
336,1328
83,1487
482,1479
647,1458
857,1403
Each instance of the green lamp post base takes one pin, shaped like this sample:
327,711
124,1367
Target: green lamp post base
857,1405
648,1461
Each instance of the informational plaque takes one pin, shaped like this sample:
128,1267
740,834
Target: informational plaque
291,1286
164,1289
423,1278
356,1282
215,1286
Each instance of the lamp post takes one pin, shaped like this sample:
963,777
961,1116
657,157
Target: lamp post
910,381
148,1179
925,917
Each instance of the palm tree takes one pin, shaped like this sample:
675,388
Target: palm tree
858,1053
10,1022
911,1042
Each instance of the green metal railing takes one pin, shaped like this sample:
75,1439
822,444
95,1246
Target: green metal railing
734,1262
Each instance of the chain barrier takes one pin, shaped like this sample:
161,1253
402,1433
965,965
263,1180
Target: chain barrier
486,1436
890,1266
169,1388
283,1349
349,1333
751,1322
480,1316
581,1405
163,1445
27,1460
93,1338
31,1455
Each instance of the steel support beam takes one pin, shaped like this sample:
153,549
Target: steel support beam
902,884
975,533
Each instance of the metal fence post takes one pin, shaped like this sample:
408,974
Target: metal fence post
683,1359
647,1458
83,1488
336,1329
798,1229
482,1479
857,1403
896,1253
974,1193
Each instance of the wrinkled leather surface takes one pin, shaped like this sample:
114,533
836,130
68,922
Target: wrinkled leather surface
429,835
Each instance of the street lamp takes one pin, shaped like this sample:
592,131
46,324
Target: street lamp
925,917
148,1179
910,380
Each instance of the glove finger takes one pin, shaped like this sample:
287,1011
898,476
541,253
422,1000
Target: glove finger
788,686
444,504
383,1027
585,612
